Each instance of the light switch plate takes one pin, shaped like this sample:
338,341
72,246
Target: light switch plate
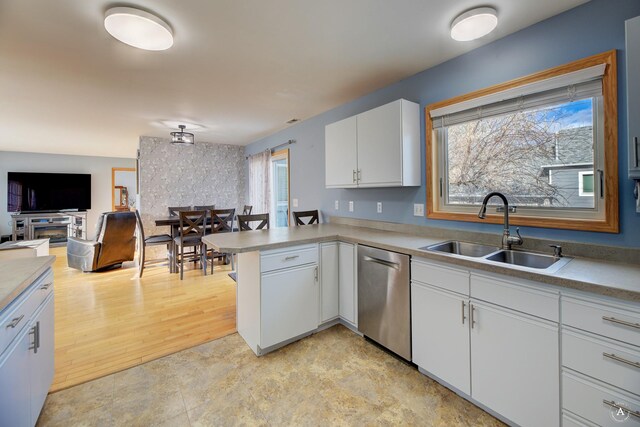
379,207
350,205
337,204
418,209
295,203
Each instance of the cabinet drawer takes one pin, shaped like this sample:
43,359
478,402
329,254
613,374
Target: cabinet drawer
602,360
587,399
20,311
288,257
516,296
619,323
568,420
443,277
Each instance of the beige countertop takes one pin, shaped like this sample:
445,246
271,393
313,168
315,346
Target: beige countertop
586,274
17,274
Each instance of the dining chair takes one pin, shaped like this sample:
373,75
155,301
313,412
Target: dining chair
221,222
244,222
191,231
175,210
143,242
204,207
300,216
247,210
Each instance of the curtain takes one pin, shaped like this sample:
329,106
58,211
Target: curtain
259,182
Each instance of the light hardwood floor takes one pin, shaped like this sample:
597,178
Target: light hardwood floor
106,322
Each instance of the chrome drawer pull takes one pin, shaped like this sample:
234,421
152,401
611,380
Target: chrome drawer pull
620,359
621,322
289,258
614,405
473,310
46,286
463,316
14,322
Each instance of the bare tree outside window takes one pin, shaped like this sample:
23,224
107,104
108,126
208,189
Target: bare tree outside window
532,156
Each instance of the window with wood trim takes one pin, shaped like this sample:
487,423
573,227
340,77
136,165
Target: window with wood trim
547,141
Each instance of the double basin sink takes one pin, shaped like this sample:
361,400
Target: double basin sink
546,263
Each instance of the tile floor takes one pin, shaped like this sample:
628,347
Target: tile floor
334,377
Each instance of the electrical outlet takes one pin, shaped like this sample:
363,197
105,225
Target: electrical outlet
337,204
295,203
418,209
350,205
379,207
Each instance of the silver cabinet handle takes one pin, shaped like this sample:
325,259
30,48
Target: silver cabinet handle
359,175
354,177
621,359
14,322
621,322
614,405
463,316
34,346
292,257
473,310
315,273
394,265
636,151
46,286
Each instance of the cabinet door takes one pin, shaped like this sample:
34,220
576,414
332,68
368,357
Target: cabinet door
347,281
440,335
330,289
515,365
341,155
633,94
380,146
289,304
14,383
41,372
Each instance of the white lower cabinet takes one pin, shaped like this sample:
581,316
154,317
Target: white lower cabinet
26,363
289,301
504,359
441,334
329,279
348,298
514,365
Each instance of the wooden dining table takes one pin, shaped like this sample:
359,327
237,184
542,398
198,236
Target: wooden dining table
174,223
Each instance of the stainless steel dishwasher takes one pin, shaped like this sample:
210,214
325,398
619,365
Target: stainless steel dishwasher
384,305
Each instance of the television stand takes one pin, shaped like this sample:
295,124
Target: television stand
55,226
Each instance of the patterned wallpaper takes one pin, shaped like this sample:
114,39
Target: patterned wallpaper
201,174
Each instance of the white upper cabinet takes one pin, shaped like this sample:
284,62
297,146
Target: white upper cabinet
377,148
341,154
633,94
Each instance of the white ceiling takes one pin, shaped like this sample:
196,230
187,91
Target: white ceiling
241,68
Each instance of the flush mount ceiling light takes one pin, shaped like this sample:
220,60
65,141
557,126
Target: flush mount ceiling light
181,137
138,28
474,24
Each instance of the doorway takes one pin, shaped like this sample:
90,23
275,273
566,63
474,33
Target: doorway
280,188
123,189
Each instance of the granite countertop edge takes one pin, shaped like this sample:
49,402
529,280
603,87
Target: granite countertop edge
349,234
29,276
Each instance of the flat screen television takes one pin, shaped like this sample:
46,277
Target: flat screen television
38,192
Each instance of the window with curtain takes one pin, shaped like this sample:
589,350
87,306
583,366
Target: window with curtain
542,143
259,182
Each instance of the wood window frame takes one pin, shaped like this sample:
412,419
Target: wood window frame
610,222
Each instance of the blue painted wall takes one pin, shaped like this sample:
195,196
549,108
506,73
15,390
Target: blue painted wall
592,28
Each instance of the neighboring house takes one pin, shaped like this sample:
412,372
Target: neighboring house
571,173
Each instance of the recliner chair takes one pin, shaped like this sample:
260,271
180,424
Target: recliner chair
115,243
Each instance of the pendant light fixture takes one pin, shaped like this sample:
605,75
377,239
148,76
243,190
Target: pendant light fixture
181,137
474,23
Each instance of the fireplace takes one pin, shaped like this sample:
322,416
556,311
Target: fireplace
55,233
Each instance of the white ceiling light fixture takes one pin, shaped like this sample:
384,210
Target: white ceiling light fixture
181,137
474,23
138,28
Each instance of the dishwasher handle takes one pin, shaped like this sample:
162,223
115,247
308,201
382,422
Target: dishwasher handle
390,264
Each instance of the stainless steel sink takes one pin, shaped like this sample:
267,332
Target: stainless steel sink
462,248
528,259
